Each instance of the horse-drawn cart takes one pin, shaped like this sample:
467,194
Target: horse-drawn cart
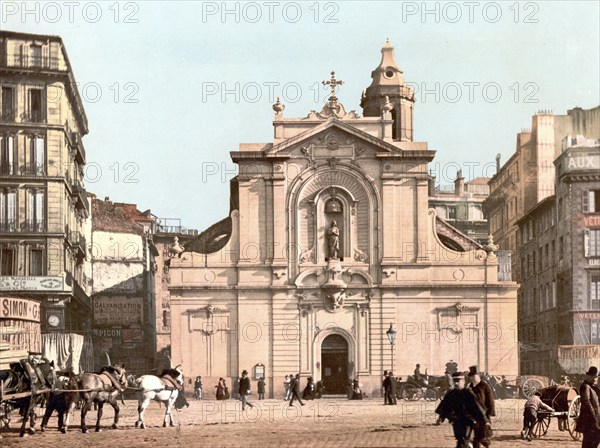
566,404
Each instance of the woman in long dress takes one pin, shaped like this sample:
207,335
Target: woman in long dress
221,389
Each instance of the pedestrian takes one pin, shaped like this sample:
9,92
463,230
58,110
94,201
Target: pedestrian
503,387
589,413
244,390
532,406
198,388
389,386
222,393
309,390
260,388
461,408
385,395
286,387
485,396
294,389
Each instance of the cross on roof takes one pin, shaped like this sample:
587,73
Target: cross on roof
332,83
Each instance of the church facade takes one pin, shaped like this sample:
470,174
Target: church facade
330,243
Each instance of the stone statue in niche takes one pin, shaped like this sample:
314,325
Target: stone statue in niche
333,240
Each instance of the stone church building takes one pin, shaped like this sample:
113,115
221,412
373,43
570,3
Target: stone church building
328,243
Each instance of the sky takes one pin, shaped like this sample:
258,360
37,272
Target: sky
170,88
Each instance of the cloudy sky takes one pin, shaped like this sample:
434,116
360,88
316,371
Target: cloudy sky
171,87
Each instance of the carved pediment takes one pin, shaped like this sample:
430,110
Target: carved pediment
333,135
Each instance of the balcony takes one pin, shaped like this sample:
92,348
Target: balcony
31,62
33,169
33,226
28,226
8,226
8,169
78,147
8,116
33,116
77,242
80,195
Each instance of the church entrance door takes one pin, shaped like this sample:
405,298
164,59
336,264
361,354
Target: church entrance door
334,364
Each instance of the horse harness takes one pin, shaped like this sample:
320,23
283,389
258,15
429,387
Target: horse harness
109,382
170,383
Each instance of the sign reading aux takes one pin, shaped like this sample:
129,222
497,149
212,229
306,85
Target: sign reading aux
118,311
582,162
21,309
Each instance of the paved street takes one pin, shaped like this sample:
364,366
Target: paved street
321,423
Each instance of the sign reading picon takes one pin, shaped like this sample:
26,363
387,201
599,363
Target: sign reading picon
118,311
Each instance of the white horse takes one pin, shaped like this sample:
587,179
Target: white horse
151,387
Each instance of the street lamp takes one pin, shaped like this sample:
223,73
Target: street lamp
391,334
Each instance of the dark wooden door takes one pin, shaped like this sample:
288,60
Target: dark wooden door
334,364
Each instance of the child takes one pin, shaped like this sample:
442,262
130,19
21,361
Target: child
532,406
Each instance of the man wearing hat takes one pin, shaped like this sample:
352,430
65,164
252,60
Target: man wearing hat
244,390
460,407
294,389
485,396
589,413
532,406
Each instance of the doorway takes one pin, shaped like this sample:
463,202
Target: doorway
334,364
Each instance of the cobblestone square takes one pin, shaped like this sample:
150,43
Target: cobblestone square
272,423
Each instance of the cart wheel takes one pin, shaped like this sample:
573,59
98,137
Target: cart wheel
572,417
431,394
541,426
409,392
530,386
418,393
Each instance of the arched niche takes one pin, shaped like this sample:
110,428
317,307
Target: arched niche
334,203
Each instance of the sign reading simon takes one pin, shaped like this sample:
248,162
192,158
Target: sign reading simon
118,311
21,309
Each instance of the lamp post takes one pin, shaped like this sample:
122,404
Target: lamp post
391,334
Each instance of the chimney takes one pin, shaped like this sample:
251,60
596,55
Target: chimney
498,162
459,184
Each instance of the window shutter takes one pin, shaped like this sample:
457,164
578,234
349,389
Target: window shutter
45,56
585,204
24,55
586,243
39,207
591,201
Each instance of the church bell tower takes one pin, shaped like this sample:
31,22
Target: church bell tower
388,81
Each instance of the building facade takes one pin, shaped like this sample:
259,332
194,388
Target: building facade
528,176
44,279
461,205
123,294
329,242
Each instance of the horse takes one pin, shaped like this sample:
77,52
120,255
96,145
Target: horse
98,388
29,375
164,389
60,399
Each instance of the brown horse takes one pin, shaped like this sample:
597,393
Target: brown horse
98,388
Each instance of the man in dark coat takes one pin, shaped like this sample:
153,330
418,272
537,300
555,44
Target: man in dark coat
389,386
461,408
485,397
294,389
385,395
244,389
260,388
589,413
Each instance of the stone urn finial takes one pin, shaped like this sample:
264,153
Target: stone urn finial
490,247
387,106
278,107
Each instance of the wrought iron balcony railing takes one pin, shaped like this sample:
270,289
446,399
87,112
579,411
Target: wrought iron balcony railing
31,61
8,225
34,225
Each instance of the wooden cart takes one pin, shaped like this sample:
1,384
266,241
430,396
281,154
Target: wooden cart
566,404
